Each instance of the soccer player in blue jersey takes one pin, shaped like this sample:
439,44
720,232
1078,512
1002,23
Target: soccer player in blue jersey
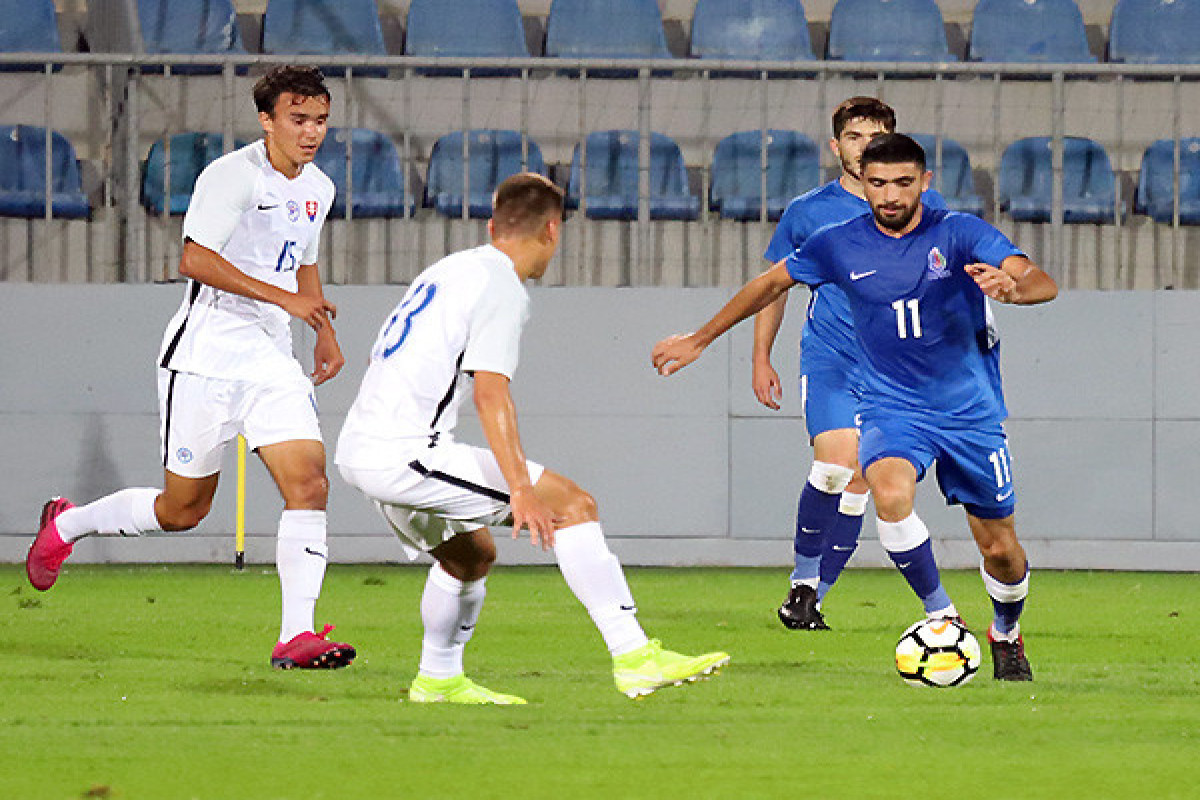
830,511
917,280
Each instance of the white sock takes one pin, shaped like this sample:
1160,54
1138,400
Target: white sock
129,512
449,610
594,575
300,556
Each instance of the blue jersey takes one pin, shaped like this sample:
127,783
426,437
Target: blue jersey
828,312
921,320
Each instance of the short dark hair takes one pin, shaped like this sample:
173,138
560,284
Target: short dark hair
871,108
522,203
300,81
893,148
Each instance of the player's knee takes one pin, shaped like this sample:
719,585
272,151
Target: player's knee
174,519
1003,554
893,502
311,491
830,478
580,507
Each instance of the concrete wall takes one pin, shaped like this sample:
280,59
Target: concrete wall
1103,387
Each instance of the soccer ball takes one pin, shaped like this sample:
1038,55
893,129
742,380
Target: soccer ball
937,652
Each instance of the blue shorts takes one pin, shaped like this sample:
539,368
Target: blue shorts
829,387
974,468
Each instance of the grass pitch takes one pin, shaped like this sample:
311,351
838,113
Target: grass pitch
153,682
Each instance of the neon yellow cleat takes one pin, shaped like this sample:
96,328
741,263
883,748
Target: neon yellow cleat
650,667
459,689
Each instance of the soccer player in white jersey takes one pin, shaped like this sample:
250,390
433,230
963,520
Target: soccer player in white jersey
457,332
226,365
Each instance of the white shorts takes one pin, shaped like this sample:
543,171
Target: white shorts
200,416
438,492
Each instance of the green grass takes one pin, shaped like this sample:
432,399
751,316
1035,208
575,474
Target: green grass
152,682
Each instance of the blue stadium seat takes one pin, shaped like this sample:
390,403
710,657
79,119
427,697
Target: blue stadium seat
475,29
1026,181
612,178
953,180
613,29
1156,182
324,28
1155,32
492,155
23,174
766,30
190,26
1040,31
888,30
190,154
793,167
29,26
378,175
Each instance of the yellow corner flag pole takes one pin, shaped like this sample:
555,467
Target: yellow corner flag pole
239,525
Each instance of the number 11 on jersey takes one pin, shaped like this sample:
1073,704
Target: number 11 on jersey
914,312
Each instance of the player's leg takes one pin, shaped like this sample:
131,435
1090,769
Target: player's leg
594,575
450,607
193,436
975,470
843,537
895,455
301,554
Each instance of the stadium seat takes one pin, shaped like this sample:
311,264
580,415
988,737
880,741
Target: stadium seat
492,156
953,179
1040,31
476,29
1156,182
756,30
888,30
23,174
29,26
612,178
190,26
614,29
378,176
1155,32
324,28
190,154
793,167
1026,181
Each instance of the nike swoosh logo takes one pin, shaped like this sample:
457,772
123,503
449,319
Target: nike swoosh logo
842,549
466,627
267,208
312,552
905,565
810,530
1000,498
858,276
629,608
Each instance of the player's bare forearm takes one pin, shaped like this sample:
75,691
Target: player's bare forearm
498,418
1017,280
676,352
204,265
764,379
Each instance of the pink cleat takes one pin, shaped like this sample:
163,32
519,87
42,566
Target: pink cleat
312,651
49,551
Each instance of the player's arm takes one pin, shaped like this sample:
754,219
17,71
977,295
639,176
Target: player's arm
676,352
201,264
327,354
1017,280
767,387
498,417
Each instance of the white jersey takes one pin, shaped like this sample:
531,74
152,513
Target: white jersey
461,315
265,225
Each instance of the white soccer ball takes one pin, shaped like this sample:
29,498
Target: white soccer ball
937,652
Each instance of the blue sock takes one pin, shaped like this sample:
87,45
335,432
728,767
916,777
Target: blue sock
921,571
839,546
815,514
1008,600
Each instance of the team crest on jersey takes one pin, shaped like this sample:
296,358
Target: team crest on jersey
311,207
293,209
937,265
184,455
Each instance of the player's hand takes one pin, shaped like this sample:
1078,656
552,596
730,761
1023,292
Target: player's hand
994,282
530,511
675,352
327,357
767,387
315,311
